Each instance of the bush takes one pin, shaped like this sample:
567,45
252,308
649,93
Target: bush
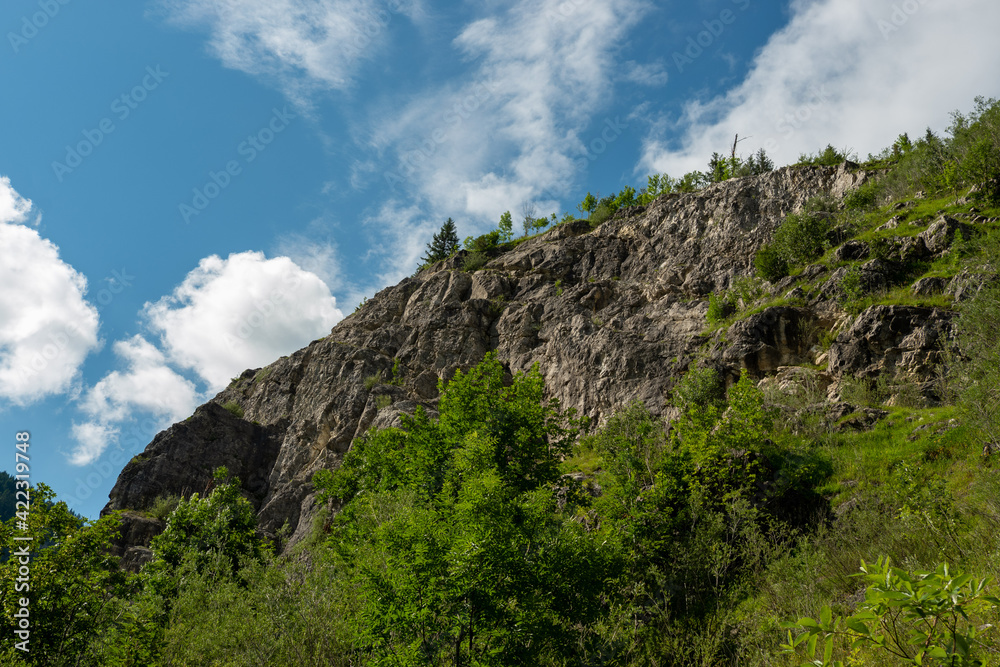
801,238
483,243
371,381
163,506
474,261
865,197
771,265
828,157
719,307
977,375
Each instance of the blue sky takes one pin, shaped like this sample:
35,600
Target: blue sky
189,188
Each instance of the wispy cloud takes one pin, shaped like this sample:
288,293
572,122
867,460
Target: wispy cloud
543,70
302,45
853,73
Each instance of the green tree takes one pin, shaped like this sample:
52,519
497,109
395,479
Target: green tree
506,227
78,597
444,244
452,533
588,205
223,523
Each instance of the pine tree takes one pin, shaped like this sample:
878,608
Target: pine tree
444,245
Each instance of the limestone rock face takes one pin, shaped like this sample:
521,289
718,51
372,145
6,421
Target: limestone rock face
611,316
893,339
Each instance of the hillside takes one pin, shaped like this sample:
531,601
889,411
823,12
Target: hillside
612,315
668,434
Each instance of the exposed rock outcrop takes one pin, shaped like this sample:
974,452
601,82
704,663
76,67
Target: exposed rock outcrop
611,316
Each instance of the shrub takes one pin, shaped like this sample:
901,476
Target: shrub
771,265
976,375
801,238
371,381
474,261
865,197
234,408
383,401
163,506
719,307
828,157
483,243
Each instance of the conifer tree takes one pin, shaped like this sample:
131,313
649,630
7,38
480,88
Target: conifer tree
444,244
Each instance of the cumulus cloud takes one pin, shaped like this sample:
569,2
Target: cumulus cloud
147,385
47,328
853,73
13,207
242,312
302,44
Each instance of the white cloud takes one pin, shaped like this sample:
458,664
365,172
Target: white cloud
147,385
93,439
853,73
13,207
302,44
650,74
47,328
544,69
242,312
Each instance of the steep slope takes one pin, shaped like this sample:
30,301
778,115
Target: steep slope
611,315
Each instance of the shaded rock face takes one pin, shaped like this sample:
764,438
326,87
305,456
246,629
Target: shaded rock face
895,339
181,460
611,316
132,545
774,338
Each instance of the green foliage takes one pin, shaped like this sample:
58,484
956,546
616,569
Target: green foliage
382,401
770,263
443,245
828,157
864,197
506,227
692,182
371,381
589,204
483,243
234,408
222,523
656,185
700,388
720,307
976,373
163,506
801,237
76,591
451,535
474,261
920,618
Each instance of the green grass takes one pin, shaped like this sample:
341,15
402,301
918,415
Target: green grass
585,460
233,408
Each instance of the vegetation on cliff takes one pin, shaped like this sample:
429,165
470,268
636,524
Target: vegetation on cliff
767,522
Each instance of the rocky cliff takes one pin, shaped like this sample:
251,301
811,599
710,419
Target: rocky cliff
611,315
